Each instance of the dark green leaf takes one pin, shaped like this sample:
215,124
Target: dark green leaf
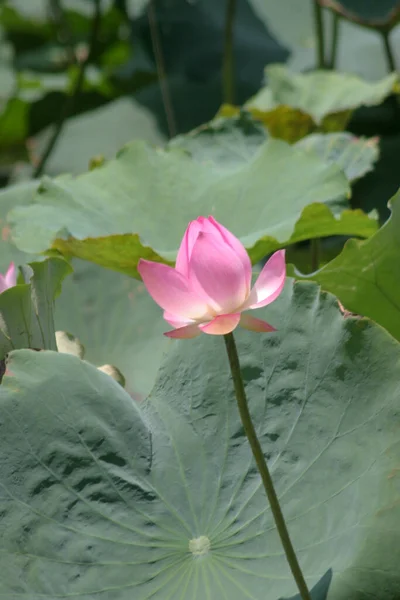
373,191
191,36
320,590
366,275
26,310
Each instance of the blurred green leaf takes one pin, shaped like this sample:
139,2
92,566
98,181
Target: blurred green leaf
224,143
230,141
14,19
329,97
355,156
366,275
41,35
7,75
11,117
43,39
103,130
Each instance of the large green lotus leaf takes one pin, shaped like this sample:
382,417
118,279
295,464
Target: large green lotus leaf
328,97
117,322
228,142
154,193
26,310
366,275
106,498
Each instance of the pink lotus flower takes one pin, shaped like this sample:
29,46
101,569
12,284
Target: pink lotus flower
210,286
9,279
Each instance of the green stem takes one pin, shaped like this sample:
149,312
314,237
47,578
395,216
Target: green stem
71,100
161,72
388,51
228,67
319,29
335,38
315,246
62,30
263,467
394,102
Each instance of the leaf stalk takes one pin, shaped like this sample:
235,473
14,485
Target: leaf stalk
161,70
315,246
391,63
228,63
335,39
320,34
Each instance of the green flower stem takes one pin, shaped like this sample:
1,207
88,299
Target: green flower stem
228,66
335,38
320,34
388,52
161,71
391,67
263,467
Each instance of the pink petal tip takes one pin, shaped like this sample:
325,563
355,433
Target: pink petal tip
183,333
253,324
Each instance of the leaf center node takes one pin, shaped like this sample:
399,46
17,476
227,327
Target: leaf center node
199,546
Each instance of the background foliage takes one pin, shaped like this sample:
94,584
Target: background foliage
121,120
